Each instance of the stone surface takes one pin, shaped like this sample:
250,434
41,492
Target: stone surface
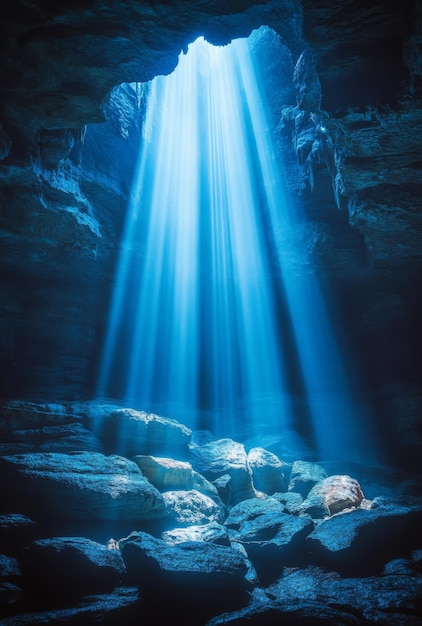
331,495
267,471
194,578
304,476
130,432
81,485
212,533
61,438
71,566
361,542
312,596
224,456
192,508
164,473
271,537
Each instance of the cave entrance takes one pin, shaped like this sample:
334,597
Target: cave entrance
210,322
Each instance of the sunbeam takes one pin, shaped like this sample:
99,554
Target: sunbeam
208,316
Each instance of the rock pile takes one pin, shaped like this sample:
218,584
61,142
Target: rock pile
182,524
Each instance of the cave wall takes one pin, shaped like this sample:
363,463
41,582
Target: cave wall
349,126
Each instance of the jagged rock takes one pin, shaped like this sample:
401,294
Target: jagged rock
267,471
304,476
70,566
192,508
361,541
212,533
291,500
312,596
81,485
271,537
223,484
331,495
165,474
120,606
20,414
193,576
201,484
9,568
16,531
130,432
224,456
60,438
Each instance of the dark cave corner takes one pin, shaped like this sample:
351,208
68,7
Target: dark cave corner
115,511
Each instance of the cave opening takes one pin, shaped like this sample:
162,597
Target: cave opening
210,322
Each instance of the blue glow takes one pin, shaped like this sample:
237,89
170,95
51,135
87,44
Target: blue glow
209,316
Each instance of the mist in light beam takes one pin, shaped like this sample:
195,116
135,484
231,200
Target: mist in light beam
207,317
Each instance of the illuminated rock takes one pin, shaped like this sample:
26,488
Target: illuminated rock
304,476
332,495
192,508
82,485
267,471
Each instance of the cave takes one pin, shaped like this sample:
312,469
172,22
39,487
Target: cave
210,338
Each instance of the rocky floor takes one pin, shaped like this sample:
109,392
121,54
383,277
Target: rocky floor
110,515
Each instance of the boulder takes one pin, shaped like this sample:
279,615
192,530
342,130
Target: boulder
192,578
192,508
225,456
164,473
223,484
55,438
267,471
291,501
361,542
16,531
9,569
304,476
332,495
200,483
19,414
130,432
79,485
271,537
66,567
211,533
120,606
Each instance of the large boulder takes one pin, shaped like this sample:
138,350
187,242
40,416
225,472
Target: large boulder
304,476
361,542
191,508
164,473
193,578
313,597
267,471
332,495
130,432
272,538
66,567
225,456
80,485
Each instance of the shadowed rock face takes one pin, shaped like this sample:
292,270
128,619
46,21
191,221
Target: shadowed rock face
352,69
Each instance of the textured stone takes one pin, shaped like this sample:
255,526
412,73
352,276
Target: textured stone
267,471
71,566
271,537
82,485
304,476
130,432
212,533
192,507
331,495
165,474
361,541
224,456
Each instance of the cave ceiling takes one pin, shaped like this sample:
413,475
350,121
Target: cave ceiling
361,75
